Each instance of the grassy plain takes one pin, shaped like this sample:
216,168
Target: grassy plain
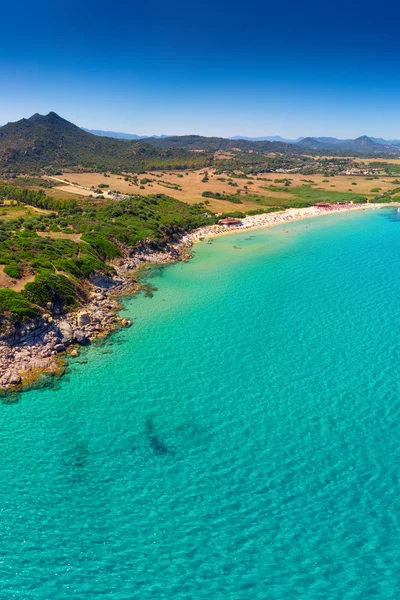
189,187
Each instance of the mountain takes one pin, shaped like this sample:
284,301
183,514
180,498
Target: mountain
115,134
362,144
120,135
327,142
331,141
50,140
311,143
385,142
268,138
215,144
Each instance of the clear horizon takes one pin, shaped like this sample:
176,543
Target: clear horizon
177,69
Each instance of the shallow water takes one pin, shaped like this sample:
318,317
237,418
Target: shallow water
240,441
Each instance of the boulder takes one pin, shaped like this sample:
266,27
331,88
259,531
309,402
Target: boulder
81,337
14,379
103,281
66,332
126,322
75,352
83,319
59,347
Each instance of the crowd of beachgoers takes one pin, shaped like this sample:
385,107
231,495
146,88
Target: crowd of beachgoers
269,219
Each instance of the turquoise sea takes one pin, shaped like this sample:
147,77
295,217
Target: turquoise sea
241,441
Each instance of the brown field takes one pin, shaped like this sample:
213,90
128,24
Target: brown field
7,211
66,192
63,193
192,185
56,235
395,161
14,284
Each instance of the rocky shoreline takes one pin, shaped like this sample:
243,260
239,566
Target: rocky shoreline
39,348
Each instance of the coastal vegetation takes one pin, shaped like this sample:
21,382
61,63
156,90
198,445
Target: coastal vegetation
296,197
57,233
44,249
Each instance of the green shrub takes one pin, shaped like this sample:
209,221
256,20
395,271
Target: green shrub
104,247
49,287
13,270
14,304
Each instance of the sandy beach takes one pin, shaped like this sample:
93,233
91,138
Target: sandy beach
38,347
277,218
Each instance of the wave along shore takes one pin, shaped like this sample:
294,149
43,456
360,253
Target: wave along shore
39,348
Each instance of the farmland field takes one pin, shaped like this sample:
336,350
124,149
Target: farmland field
190,186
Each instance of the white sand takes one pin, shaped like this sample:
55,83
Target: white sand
270,219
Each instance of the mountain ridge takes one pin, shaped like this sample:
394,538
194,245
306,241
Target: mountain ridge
327,141
51,141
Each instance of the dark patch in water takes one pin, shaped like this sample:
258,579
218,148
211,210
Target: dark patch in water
391,214
9,397
156,444
77,457
148,290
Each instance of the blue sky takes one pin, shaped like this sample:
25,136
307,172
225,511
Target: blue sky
250,68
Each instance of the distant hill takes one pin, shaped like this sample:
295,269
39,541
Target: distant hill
120,135
115,134
215,144
311,143
331,141
384,142
362,144
50,140
268,138
327,142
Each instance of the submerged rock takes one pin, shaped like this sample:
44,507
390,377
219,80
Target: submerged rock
126,322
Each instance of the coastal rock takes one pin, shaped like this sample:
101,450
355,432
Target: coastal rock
80,337
14,379
36,345
83,319
66,332
126,322
103,281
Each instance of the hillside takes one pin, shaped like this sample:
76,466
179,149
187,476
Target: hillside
215,144
50,140
360,145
